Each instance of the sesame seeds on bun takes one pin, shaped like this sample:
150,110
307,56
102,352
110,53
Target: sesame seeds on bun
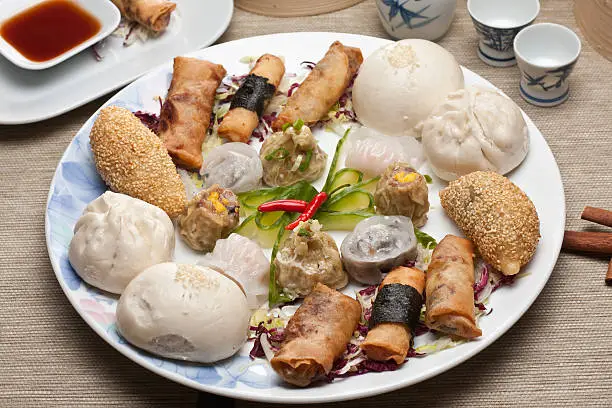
497,216
132,160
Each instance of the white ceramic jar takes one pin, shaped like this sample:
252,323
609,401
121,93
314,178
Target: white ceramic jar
426,19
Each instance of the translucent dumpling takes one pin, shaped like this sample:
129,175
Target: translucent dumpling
376,245
372,152
242,260
235,166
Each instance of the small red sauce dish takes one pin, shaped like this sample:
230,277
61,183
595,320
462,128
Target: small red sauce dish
38,34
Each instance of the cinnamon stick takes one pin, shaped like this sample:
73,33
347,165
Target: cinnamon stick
597,215
609,274
592,242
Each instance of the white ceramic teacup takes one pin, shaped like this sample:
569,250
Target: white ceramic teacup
497,23
426,19
546,54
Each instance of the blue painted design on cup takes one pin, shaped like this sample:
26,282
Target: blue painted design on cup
497,22
426,19
546,54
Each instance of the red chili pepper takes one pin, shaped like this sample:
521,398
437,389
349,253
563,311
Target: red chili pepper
310,210
283,205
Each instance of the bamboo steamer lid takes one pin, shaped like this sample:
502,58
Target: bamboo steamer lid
594,17
294,8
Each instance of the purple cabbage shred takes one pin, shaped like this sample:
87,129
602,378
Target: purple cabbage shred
150,120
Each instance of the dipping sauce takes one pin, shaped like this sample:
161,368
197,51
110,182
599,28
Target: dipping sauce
49,29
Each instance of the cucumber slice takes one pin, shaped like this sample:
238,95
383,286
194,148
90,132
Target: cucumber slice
265,238
352,201
342,221
370,185
268,220
346,176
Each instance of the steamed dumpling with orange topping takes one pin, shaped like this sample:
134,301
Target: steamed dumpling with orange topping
211,214
403,191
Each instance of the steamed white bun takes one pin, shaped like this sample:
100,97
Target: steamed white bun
474,129
186,312
116,238
400,83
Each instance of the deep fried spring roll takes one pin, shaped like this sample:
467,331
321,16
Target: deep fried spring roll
395,315
316,335
323,86
153,14
185,115
251,99
449,289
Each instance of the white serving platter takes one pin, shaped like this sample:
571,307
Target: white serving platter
76,183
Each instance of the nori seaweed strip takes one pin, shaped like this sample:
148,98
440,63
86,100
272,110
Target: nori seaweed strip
397,303
253,94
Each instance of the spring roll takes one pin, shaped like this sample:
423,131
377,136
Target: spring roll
395,315
323,86
251,99
153,14
450,289
316,335
185,114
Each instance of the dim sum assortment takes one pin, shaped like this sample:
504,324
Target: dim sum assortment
377,245
185,114
403,191
323,86
450,289
203,312
152,14
211,215
316,335
252,98
395,314
133,161
309,256
235,166
291,155
497,216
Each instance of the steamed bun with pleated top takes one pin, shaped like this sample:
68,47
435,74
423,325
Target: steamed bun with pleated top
185,312
116,238
400,83
474,129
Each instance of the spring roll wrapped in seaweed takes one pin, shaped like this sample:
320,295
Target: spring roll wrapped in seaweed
251,99
185,115
449,289
395,315
153,14
316,335
323,86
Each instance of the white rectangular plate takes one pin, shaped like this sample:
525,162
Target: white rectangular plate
32,96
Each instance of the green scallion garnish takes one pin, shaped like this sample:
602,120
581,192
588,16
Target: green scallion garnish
297,125
428,178
303,232
278,154
306,162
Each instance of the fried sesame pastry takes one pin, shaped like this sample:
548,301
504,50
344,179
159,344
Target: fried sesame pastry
497,216
132,160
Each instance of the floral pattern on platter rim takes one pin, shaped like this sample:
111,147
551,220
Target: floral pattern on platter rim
76,183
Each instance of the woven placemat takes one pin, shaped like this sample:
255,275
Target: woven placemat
558,354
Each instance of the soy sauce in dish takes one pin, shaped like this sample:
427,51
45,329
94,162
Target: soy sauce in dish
49,29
